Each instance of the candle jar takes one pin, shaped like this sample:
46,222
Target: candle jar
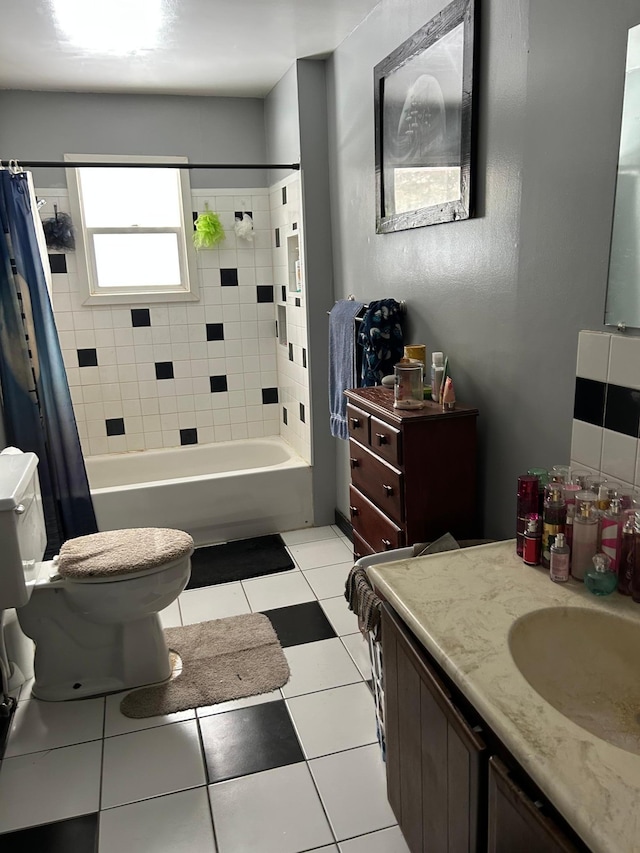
408,388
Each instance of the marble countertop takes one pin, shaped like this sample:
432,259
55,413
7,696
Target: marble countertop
461,605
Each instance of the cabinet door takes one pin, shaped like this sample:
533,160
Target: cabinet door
435,759
515,823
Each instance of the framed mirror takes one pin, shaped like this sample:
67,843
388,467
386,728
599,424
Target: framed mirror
424,105
623,288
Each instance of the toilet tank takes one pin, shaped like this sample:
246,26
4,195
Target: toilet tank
23,537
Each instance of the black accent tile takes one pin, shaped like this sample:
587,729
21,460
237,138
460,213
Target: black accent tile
285,416
58,263
302,415
265,292
215,332
277,238
294,227
249,740
229,277
284,195
300,623
284,292
290,352
218,383
115,426
622,410
589,401
77,834
238,214
194,214
269,395
189,436
298,303
140,317
87,358
304,357
164,370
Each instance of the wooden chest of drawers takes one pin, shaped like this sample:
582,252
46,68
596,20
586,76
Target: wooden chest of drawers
413,473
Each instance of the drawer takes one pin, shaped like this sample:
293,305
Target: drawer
372,525
358,423
386,441
360,547
381,483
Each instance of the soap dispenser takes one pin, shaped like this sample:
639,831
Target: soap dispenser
599,580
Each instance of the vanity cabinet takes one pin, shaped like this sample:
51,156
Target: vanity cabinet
452,785
413,472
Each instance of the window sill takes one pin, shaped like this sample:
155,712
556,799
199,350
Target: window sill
139,298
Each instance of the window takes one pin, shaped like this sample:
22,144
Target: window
133,242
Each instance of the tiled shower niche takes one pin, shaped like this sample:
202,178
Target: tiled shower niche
173,374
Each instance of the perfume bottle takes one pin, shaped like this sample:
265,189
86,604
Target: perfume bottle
599,580
585,534
554,519
627,553
532,541
559,568
527,503
610,530
543,478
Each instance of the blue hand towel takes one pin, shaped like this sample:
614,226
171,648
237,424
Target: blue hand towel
342,361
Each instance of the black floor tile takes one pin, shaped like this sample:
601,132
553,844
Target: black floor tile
76,835
249,740
300,623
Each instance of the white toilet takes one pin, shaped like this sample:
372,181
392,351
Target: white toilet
93,610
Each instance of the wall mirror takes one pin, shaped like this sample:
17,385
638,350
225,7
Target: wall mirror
623,289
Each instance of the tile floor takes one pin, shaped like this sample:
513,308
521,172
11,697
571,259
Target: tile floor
295,770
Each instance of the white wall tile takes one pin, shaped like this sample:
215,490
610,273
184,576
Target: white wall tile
619,454
624,364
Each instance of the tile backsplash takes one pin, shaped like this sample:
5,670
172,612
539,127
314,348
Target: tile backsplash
174,374
606,420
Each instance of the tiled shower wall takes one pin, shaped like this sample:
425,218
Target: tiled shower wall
606,420
177,373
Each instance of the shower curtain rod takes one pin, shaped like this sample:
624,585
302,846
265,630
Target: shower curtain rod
68,164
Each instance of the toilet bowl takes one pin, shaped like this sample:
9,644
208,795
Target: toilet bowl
92,611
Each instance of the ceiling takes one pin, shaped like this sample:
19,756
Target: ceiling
186,47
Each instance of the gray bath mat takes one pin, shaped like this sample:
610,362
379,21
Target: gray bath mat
221,660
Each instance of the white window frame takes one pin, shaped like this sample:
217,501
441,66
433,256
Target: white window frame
92,294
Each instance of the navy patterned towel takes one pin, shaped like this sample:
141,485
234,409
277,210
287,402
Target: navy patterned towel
382,339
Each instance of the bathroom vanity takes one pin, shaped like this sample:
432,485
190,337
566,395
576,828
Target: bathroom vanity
511,707
413,472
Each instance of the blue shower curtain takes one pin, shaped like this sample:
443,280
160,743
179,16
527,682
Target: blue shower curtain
38,414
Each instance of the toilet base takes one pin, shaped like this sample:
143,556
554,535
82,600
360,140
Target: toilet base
75,658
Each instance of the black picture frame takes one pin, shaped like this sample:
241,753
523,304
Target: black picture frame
424,99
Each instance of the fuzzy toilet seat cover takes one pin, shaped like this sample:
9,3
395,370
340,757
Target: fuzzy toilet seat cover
122,552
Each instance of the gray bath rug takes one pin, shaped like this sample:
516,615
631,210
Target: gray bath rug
221,660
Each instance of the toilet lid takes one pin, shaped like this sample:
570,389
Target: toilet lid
122,552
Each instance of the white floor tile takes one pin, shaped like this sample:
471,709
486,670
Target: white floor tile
37,726
343,620
358,648
170,616
334,720
47,786
386,841
277,591
308,534
234,704
353,789
117,724
318,666
277,811
213,602
328,581
177,823
149,763
312,555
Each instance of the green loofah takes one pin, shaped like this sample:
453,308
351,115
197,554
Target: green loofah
209,230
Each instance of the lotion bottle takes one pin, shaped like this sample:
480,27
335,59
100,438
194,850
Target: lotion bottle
437,371
585,534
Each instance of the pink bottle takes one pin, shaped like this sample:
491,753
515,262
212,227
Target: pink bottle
611,526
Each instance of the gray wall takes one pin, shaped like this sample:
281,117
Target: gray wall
281,119
47,125
503,294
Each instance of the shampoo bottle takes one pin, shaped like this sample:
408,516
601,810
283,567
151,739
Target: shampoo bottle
585,534
437,371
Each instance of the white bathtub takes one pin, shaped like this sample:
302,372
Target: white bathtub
216,492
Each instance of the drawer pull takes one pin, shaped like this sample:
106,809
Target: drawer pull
382,438
353,510
355,423
388,490
354,462
387,544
